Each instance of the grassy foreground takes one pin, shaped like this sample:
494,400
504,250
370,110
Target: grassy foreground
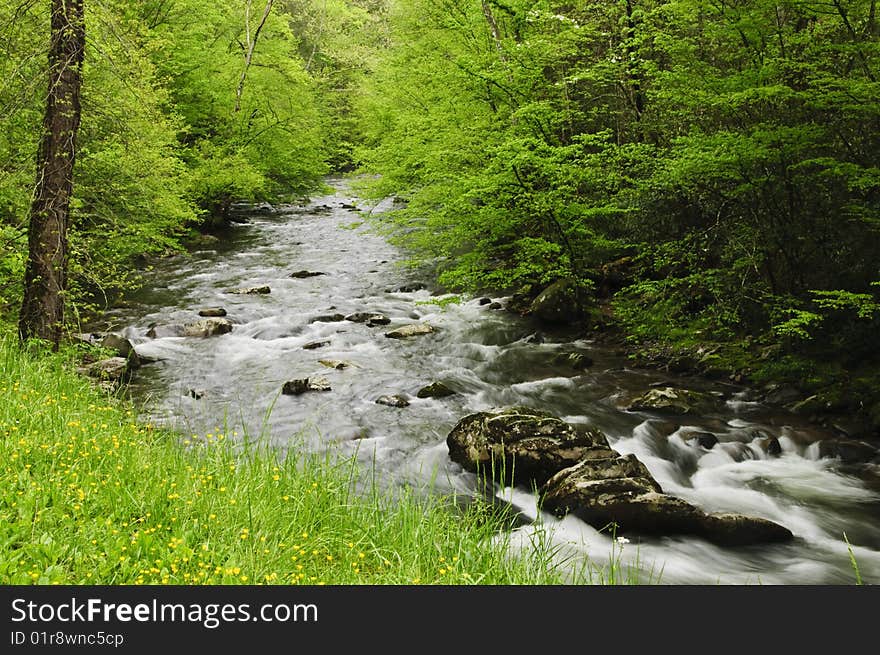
90,496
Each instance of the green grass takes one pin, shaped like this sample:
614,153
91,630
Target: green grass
90,496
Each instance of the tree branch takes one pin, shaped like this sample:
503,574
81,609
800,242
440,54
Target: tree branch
251,46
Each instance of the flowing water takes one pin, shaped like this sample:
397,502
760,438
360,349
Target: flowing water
491,358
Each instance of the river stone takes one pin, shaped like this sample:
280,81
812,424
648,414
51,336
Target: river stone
208,328
738,530
302,275
435,390
577,361
120,346
370,318
530,444
328,318
412,287
114,369
705,440
670,400
315,345
164,331
337,364
202,241
313,383
212,312
251,291
848,451
622,492
563,302
662,427
412,330
770,445
393,401
261,209
89,338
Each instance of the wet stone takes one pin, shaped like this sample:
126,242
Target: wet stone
251,291
336,364
371,319
304,385
396,400
328,318
315,345
435,390
414,330
302,275
212,312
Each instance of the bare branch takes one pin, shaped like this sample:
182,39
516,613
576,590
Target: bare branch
251,46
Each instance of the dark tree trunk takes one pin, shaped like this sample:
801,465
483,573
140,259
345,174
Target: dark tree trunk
42,310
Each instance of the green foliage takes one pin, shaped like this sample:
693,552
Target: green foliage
273,140
732,146
165,143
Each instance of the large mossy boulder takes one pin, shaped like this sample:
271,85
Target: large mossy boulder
621,491
525,444
578,472
564,302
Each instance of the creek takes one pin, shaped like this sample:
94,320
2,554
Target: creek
490,358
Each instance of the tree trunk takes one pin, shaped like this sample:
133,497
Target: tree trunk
42,310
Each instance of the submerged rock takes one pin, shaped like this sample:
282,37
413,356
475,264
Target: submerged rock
413,330
304,385
208,328
251,291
